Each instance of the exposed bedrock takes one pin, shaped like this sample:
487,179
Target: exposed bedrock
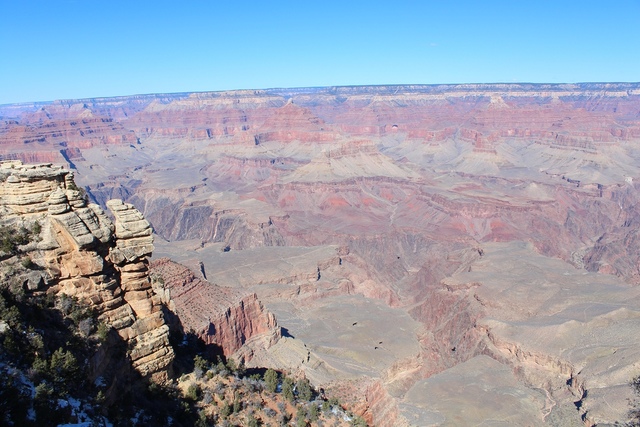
76,127
221,316
402,201
414,265
611,252
555,220
118,188
538,139
558,330
83,254
33,156
449,316
174,219
540,320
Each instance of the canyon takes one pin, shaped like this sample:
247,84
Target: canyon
433,255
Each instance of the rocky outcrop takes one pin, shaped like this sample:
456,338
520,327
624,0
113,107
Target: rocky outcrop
230,226
413,180
610,253
220,316
380,409
80,252
26,189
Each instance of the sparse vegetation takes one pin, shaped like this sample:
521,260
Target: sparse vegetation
226,397
271,380
27,263
303,388
49,352
11,238
193,392
287,389
48,346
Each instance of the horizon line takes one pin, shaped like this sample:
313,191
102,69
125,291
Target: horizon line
301,88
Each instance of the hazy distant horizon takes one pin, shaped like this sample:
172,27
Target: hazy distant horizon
276,89
82,50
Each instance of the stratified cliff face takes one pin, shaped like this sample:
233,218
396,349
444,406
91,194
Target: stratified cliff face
419,189
220,316
83,254
476,161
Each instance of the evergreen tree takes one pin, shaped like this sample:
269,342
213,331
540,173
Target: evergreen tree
271,380
304,389
287,389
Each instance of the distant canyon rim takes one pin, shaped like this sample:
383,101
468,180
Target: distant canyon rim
434,254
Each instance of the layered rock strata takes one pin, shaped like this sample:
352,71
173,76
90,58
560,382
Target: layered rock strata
416,182
221,316
80,252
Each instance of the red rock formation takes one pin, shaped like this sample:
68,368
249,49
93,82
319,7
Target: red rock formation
84,131
220,316
443,171
381,409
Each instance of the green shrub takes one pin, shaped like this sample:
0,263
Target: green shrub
73,309
103,331
304,389
252,421
27,263
301,417
225,411
9,313
271,380
231,365
358,421
36,228
63,367
313,412
287,389
240,369
237,406
202,420
193,392
12,237
201,362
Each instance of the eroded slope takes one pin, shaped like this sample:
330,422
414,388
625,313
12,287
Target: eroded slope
387,201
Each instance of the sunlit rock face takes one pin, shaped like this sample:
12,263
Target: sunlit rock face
220,316
80,252
492,228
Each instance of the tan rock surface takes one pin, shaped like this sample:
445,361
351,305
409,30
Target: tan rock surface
221,316
71,250
478,391
443,171
565,332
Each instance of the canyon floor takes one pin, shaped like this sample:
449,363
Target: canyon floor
436,255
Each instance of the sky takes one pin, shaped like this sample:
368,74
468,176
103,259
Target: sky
70,49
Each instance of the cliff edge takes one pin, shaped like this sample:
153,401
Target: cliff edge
82,253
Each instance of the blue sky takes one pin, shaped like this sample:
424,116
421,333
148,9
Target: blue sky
61,49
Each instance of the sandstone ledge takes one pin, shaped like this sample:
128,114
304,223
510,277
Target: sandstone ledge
71,248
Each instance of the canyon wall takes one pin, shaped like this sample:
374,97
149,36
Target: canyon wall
419,187
219,316
103,261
